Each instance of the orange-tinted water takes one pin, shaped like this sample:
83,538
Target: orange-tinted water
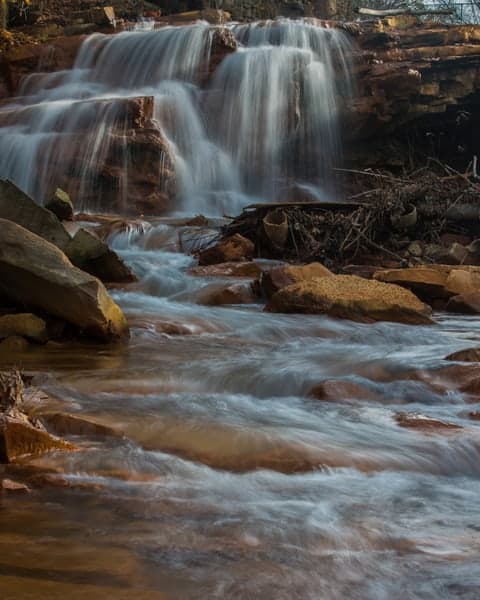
231,480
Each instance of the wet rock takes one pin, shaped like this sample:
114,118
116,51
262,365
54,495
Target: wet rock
11,486
91,254
472,387
35,273
13,344
282,276
474,415
235,248
19,438
336,390
238,293
107,227
461,378
351,297
467,355
23,325
250,270
56,55
22,210
424,423
61,205
68,424
57,480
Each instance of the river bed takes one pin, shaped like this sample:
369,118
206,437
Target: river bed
231,481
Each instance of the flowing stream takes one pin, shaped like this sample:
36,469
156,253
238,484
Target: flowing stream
231,480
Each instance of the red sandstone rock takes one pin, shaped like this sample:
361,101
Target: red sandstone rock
424,423
467,355
235,248
336,390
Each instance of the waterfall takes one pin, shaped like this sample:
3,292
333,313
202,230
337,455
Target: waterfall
264,124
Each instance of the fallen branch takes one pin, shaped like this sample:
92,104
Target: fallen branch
390,12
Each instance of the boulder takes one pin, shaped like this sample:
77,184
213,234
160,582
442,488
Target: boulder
85,250
35,273
427,282
464,303
16,206
24,325
281,276
18,437
351,297
91,254
61,205
458,287
234,248
467,355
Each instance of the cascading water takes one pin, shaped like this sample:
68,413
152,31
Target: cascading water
264,126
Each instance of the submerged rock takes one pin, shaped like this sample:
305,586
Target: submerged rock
467,355
234,248
337,390
425,423
23,325
35,273
61,205
351,297
68,424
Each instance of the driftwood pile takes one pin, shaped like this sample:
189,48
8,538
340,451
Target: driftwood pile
434,207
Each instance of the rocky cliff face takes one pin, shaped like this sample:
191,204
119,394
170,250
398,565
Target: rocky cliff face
417,84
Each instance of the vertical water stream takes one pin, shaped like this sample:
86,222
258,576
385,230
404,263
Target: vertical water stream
266,122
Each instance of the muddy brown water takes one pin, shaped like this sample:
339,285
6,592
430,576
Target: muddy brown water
231,481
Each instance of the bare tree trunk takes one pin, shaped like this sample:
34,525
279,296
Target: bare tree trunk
3,14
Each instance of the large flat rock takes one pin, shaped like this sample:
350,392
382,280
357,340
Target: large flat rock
351,297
